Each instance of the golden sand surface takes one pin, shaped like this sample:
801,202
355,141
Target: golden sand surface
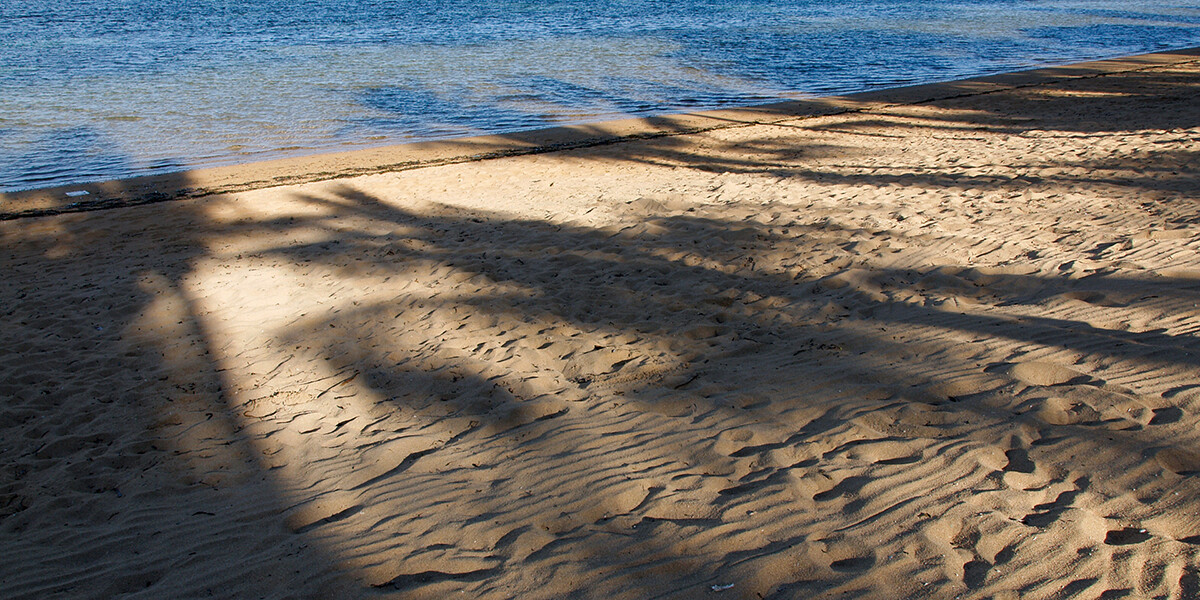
937,342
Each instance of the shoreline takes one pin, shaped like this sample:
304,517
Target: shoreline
243,177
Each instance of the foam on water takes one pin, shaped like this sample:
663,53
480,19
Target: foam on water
93,90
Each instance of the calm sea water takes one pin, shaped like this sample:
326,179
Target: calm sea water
101,89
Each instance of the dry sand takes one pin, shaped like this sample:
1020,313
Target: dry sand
912,349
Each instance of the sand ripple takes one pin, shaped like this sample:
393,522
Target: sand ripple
930,350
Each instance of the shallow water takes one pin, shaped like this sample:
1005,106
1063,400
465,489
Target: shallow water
93,90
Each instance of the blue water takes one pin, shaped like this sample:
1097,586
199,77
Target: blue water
102,89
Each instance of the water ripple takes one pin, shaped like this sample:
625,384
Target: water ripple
93,90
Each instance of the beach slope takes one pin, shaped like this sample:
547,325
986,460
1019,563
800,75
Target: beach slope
935,342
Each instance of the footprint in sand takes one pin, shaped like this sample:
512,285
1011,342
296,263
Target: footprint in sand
976,572
853,565
847,556
1126,537
1056,410
1046,513
1044,373
959,541
1179,460
1096,299
846,487
1018,461
1165,416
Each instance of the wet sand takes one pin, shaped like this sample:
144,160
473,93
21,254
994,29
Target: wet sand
933,342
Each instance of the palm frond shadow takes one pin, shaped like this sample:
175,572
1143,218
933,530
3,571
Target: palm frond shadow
551,336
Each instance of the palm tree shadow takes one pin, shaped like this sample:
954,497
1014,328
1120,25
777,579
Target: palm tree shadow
542,343
1045,106
128,470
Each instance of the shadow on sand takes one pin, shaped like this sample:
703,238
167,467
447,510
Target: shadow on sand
341,395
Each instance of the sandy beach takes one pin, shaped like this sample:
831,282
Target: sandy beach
934,342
